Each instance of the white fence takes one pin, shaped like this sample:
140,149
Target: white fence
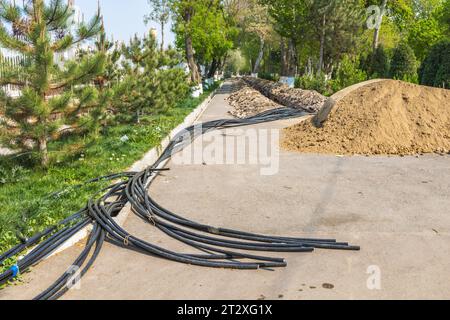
8,62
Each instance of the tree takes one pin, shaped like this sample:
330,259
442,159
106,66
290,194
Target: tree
401,12
331,27
428,27
337,24
418,21
249,44
235,63
160,13
443,16
425,8
104,86
39,30
291,23
423,34
379,21
152,81
205,32
380,62
435,69
184,12
254,18
404,63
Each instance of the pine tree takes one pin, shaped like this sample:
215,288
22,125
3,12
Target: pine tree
153,82
40,30
337,25
104,87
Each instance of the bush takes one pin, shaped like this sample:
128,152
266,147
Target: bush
347,74
269,76
316,82
376,64
404,64
435,69
380,63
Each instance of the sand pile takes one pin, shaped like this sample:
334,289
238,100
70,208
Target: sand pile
389,117
307,100
247,102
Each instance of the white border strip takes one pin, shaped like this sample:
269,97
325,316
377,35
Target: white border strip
150,157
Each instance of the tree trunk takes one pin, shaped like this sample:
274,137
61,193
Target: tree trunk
162,35
309,68
260,55
213,68
199,68
292,59
376,34
223,62
322,45
284,61
267,65
288,60
138,116
43,151
195,75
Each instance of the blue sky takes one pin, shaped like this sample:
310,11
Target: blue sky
123,18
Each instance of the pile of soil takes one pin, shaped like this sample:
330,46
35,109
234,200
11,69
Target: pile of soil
388,117
307,100
247,102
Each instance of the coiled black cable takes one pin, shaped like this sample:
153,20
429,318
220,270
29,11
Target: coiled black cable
215,243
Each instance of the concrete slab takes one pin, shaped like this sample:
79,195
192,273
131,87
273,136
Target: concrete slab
395,208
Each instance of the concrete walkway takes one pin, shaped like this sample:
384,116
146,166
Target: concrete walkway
396,209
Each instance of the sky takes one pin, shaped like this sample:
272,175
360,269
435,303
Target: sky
123,18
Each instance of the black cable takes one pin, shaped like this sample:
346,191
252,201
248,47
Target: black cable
215,243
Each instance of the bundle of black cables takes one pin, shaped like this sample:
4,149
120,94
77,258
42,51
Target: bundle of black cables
218,245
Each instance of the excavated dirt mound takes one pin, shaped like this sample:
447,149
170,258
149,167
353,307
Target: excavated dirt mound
389,117
247,102
307,100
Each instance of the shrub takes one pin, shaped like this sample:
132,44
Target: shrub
404,64
269,76
380,63
347,74
435,69
316,82
376,64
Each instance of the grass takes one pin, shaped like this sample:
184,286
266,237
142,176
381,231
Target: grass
26,207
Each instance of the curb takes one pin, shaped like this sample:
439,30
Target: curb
149,158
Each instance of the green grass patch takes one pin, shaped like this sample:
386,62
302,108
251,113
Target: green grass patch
27,208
